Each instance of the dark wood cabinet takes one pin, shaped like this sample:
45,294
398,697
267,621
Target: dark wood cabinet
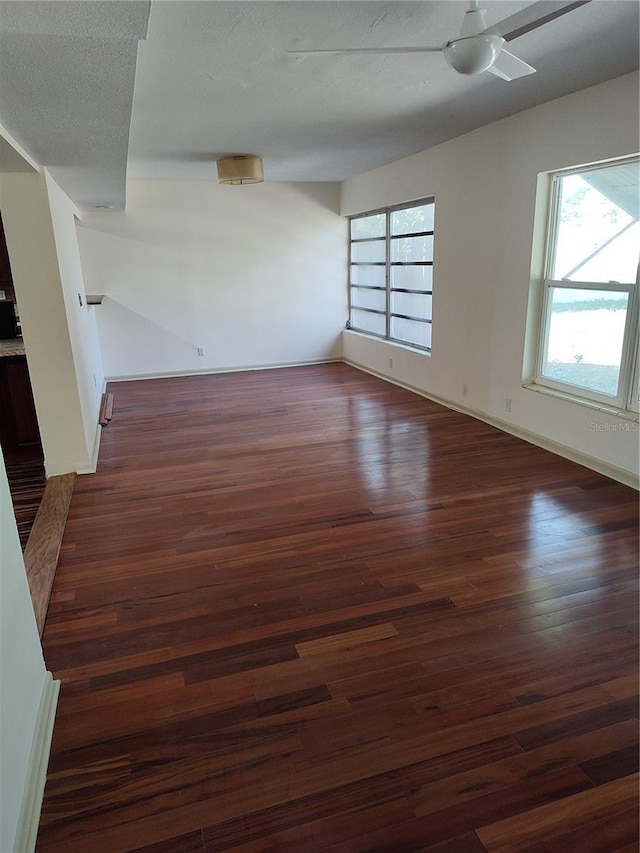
18,421
6,280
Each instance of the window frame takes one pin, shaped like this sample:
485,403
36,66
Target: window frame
388,289
634,389
629,374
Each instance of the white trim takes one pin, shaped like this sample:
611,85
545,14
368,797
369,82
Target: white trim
599,164
73,467
627,351
93,465
611,471
633,402
369,336
31,806
4,133
50,180
629,345
214,371
550,391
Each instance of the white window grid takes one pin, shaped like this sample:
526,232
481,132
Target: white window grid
387,265
628,394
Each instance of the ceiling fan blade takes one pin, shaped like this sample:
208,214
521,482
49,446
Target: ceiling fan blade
509,67
365,50
532,17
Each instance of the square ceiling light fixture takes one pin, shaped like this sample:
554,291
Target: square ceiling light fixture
239,169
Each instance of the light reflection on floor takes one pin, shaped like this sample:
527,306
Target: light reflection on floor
385,449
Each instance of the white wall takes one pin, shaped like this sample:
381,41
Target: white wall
255,274
485,189
22,672
60,338
81,322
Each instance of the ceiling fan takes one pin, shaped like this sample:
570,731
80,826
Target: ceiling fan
478,48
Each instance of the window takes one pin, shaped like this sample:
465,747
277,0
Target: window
391,273
589,332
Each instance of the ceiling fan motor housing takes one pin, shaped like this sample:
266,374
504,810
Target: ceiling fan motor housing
473,54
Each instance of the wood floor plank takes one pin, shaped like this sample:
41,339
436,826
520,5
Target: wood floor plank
623,687
613,765
467,843
539,826
336,642
303,609
592,750
322,834
451,822
617,833
585,719
190,843
27,482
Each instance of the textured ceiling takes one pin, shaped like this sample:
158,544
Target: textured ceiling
67,72
214,78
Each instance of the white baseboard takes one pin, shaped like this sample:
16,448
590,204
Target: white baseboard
213,370
611,471
71,466
29,818
93,465
597,465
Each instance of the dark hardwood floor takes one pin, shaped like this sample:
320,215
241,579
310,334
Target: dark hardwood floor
27,482
306,610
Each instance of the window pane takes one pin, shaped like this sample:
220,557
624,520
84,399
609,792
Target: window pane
368,226
364,252
411,332
368,275
584,345
618,260
414,278
389,277
598,234
414,304
407,249
376,299
366,322
413,219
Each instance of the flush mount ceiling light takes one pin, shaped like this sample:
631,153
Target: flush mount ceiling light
239,169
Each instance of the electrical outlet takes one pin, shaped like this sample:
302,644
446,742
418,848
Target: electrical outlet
390,362
200,350
507,404
465,390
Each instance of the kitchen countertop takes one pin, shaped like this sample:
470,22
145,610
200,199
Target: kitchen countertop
11,346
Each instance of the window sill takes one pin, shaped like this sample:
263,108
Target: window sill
625,414
388,342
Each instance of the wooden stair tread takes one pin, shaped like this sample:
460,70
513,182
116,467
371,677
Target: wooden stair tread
43,545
